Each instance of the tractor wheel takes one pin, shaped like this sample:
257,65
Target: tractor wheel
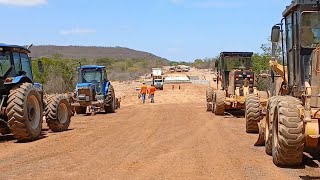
80,110
209,107
57,113
25,112
209,94
213,101
287,133
219,106
252,113
110,106
268,126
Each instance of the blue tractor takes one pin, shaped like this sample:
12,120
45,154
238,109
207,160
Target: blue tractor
94,92
23,105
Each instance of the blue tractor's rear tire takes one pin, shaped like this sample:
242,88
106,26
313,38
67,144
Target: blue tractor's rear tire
58,114
110,106
25,112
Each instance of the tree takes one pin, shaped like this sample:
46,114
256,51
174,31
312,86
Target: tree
261,60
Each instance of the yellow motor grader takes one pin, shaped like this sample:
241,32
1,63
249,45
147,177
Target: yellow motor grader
237,82
291,123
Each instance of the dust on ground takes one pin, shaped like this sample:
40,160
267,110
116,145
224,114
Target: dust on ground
174,138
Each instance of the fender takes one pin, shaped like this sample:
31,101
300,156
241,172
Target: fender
106,87
17,80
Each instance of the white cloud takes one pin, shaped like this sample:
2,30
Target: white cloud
218,4
23,2
77,31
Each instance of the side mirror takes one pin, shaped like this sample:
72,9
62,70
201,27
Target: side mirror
216,64
275,34
40,67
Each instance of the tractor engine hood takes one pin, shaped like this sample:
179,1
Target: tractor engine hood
86,92
86,86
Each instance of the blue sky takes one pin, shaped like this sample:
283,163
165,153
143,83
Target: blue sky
173,29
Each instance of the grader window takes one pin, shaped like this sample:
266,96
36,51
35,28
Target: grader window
237,63
289,32
310,29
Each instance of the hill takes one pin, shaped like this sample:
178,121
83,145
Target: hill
91,52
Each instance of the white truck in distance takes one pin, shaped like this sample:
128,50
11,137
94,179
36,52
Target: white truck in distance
157,78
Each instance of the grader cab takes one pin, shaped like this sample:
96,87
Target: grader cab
237,82
291,123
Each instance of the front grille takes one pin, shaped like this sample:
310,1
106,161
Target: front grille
84,91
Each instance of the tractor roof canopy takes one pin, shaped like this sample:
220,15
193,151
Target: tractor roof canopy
92,67
309,4
236,54
14,48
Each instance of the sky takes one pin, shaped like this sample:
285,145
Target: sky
178,30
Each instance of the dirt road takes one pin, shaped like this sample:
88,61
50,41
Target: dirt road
175,138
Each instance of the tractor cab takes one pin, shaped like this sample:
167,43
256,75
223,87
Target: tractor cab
236,71
302,31
92,76
15,67
14,63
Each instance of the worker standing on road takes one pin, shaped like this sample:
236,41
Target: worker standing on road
143,92
151,92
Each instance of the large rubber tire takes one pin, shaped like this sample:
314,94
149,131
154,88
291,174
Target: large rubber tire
110,101
58,113
252,113
209,98
209,94
287,133
219,106
209,107
273,101
25,112
213,101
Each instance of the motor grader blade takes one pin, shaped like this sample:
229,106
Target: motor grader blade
261,138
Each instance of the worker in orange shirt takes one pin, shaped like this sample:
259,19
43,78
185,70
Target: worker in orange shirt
143,92
151,92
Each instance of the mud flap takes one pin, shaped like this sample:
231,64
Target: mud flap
261,138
